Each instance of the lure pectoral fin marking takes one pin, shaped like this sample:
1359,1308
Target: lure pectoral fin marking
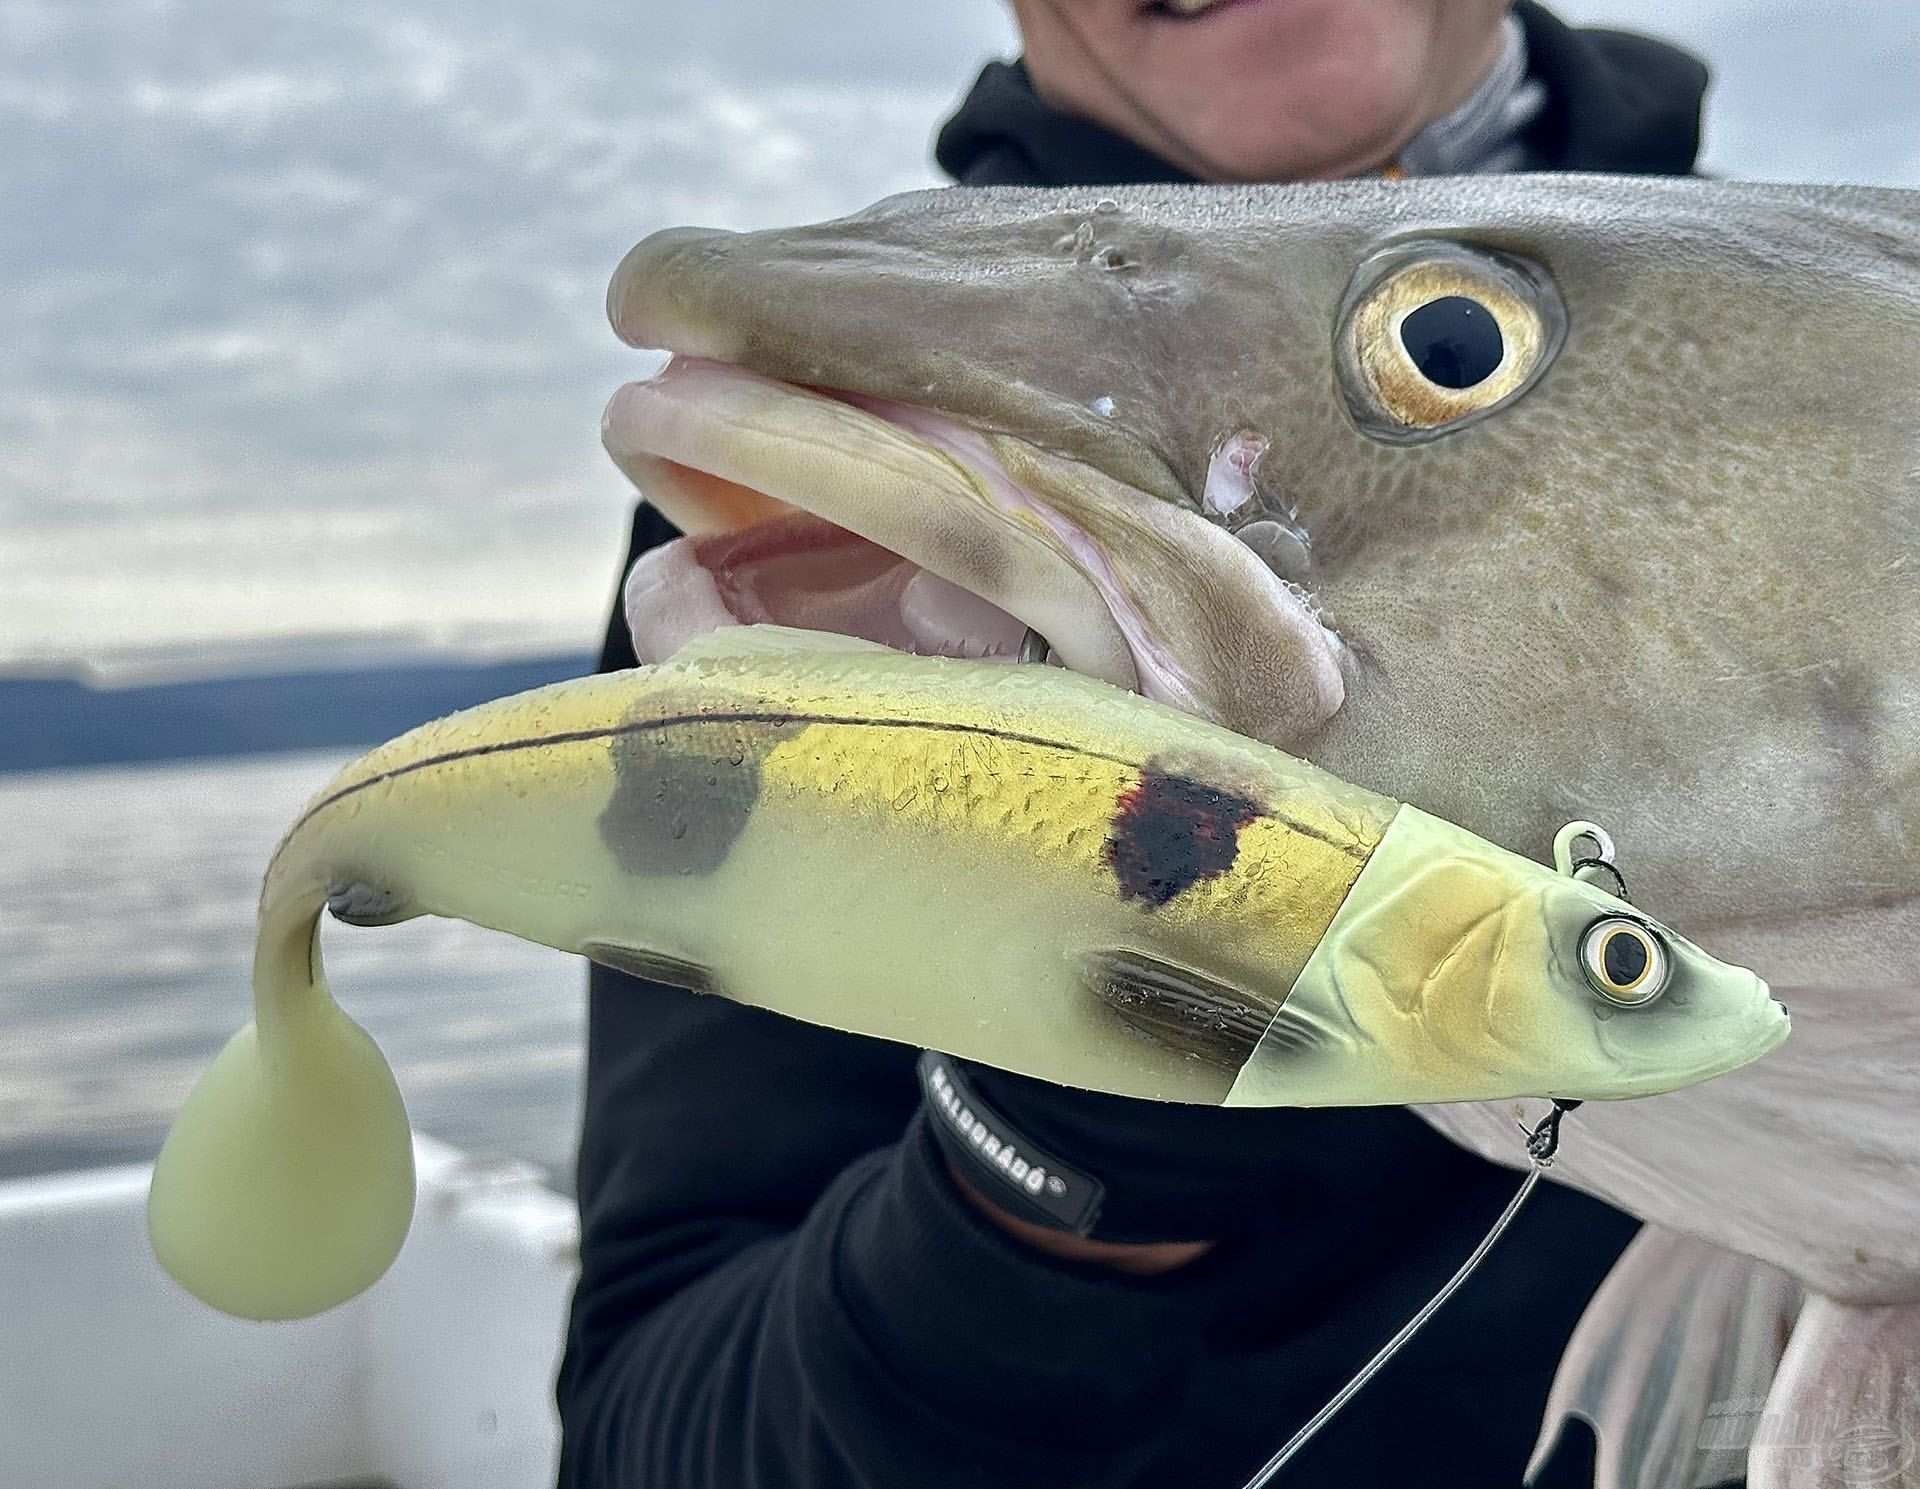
1216,1025
650,966
857,838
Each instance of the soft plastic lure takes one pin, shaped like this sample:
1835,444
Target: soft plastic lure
1015,864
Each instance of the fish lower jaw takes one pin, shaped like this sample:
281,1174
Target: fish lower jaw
1769,1039
1769,1036
860,517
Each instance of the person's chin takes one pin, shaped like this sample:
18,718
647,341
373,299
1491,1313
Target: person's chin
1230,147
1259,122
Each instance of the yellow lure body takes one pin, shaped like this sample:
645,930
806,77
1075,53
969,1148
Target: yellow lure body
1014,864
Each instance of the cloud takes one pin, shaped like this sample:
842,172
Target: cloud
304,319
293,279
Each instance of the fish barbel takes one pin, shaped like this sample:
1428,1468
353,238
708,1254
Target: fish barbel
836,831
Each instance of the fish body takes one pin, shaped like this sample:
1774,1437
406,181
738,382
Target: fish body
1652,567
1015,864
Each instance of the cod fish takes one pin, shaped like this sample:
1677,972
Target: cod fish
839,832
1522,498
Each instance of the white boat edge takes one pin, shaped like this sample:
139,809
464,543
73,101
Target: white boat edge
438,1377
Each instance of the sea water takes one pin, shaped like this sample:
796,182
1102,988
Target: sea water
126,933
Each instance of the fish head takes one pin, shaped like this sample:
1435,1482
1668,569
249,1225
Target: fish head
1460,967
1520,498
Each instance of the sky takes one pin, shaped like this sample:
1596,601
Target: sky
303,326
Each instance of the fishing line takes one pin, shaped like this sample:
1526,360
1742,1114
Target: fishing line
1543,1142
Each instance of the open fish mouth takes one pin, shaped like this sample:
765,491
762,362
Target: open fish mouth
812,508
903,525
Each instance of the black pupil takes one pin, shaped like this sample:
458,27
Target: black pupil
1454,341
1625,958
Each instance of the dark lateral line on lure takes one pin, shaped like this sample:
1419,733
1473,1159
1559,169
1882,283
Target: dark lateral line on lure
672,721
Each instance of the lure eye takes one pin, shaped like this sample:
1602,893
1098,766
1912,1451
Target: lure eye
1624,962
1434,336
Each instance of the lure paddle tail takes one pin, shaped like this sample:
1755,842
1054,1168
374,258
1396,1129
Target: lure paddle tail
286,1184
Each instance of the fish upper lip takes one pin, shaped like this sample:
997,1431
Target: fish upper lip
647,307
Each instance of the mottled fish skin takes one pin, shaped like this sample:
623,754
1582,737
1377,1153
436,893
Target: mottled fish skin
1669,587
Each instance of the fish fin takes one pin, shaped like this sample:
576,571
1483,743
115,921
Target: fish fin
766,642
1668,1362
356,903
1844,1412
649,966
1176,1006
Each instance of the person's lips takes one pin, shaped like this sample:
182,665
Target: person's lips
1187,10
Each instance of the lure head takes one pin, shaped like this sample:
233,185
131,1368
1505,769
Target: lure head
1457,971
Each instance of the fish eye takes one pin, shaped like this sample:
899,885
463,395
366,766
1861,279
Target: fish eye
1434,336
1624,961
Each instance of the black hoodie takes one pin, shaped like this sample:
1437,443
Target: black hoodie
1615,102
781,1288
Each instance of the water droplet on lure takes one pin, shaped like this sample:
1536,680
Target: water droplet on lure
679,828
1103,405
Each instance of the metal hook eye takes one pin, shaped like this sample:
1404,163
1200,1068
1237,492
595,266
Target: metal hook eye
1606,867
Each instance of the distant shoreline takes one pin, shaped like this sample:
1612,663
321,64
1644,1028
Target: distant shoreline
47,722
